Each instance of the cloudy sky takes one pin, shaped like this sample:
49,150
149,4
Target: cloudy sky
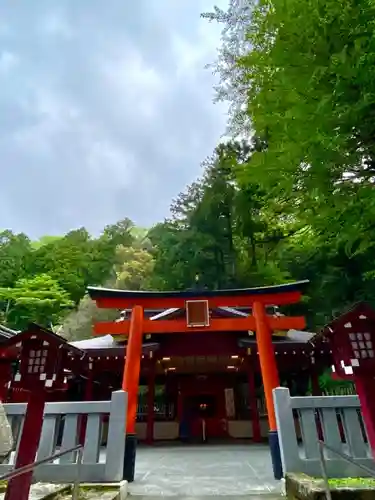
105,109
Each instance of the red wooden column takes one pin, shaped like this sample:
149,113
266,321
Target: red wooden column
270,378
89,386
151,402
180,404
19,487
255,420
5,378
130,384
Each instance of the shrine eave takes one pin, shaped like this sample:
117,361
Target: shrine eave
288,345
276,294
359,311
6,333
107,346
34,329
98,292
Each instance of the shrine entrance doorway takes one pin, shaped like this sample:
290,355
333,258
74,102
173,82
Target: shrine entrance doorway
203,413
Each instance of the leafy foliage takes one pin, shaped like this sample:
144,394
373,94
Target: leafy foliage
14,252
231,89
135,268
132,271
219,231
302,74
44,281
310,94
78,324
39,299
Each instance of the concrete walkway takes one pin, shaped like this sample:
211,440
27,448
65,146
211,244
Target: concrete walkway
204,471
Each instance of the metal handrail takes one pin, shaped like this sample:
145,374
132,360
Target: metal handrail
346,457
30,467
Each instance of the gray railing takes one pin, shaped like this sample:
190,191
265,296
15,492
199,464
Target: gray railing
344,456
103,439
30,467
304,421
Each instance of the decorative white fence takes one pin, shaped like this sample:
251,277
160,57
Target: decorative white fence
61,430
336,420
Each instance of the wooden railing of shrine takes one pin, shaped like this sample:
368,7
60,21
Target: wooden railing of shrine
336,420
62,429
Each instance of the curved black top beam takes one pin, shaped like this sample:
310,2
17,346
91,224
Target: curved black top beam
110,293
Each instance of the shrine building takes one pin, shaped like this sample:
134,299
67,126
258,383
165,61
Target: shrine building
200,359
197,365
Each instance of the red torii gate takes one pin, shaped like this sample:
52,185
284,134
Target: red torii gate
198,304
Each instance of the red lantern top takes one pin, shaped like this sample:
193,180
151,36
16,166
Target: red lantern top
352,339
43,357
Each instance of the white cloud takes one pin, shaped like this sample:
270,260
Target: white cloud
8,61
110,165
52,114
104,113
55,24
133,84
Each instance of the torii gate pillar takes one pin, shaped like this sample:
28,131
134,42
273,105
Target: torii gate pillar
130,384
271,380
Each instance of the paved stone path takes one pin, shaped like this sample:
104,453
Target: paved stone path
186,472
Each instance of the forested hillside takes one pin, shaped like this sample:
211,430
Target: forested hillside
45,281
288,195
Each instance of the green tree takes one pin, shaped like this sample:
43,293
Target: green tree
119,233
300,76
39,299
135,270
231,89
15,251
220,230
78,323
132,270
44,240
310,86
78,260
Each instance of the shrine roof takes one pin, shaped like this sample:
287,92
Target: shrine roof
290,337
358,312
6,333
105,342
34,329
108,345
299,336
108,293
